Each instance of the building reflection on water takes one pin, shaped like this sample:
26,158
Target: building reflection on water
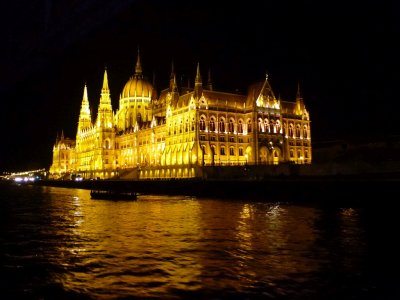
164,245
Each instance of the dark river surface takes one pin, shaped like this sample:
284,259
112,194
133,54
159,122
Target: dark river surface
57,243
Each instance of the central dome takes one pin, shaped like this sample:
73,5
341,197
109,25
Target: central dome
137,87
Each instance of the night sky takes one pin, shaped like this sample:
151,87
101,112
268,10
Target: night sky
344,55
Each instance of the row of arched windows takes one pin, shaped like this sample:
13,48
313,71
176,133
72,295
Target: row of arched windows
222,150
223,126
299,155
231,126
270,126
264,125
296,132
181,127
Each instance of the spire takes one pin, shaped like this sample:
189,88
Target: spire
105,100
138,68
298,95
299,99
174,85
85,120
172,80
85,95
209,82
104,113
85,102
105,88
198,76
198,85
62,135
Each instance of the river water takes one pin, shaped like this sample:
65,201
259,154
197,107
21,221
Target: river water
57,243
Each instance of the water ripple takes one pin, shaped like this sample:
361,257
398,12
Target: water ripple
61,243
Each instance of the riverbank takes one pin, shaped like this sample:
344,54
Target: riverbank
338,190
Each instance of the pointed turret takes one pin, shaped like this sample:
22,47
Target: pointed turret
299,100
104,114
298,95
85,119
209,82
174,85
105,88
198,84
172,82
85,96
198,81
138,68
105,100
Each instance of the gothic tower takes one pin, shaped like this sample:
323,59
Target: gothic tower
85,120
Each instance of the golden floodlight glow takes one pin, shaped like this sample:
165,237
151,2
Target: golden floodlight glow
181,130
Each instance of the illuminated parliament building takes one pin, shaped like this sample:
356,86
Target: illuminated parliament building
182,131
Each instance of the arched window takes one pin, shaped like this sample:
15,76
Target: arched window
305,132
107,144
202,124
212,124
298,131
249,126
278,126
260,125
221,125
266,125
222,150
272,126
231,126
240,127
291,130
231,151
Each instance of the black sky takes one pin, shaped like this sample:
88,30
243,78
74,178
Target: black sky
344,55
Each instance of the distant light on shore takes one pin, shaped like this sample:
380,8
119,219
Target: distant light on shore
26,179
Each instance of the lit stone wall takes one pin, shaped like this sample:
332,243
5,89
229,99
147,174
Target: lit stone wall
176,135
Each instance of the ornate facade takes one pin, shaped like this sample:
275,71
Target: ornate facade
183,130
